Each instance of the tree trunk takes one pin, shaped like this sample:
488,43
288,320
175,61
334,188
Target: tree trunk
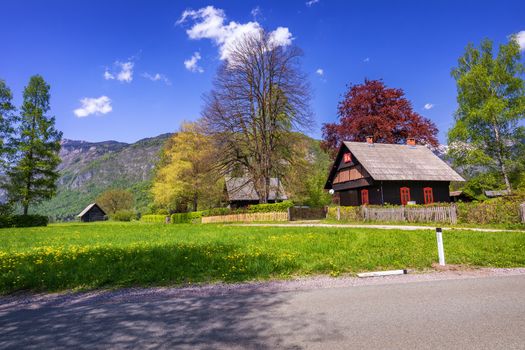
501,161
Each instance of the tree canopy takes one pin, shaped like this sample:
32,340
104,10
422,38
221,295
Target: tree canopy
115,200
372,109
487,136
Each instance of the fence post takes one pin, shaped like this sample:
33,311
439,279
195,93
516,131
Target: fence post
441,252
338,213
289,214
522,209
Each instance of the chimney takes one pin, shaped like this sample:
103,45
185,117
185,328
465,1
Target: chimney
411,141
369,139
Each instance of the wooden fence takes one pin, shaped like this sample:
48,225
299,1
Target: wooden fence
411,214
248,217
522,210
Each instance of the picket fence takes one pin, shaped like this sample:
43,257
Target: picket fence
247,217
411,214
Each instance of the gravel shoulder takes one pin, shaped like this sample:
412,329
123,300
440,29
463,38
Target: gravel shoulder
451,272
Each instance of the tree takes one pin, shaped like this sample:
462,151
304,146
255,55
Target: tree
115,200
372,109
7,122
185,177
33,176
491,103
259,97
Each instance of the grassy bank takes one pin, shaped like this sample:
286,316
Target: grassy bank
130,254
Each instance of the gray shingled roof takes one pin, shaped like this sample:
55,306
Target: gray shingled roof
86,209
242,189
401,162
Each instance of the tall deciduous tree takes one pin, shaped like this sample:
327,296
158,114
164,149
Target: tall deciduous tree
372,109
185,177
114,200
259,97
491,103
37,143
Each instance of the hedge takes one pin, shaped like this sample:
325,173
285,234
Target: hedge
124,215
155,218
23,221
255,208
494,211
184,218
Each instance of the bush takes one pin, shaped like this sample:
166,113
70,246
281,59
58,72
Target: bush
155,218
494,211
270,207
124,215
185,218
347,213
23,221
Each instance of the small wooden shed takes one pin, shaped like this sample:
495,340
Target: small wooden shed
92,213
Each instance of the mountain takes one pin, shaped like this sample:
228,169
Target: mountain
89,168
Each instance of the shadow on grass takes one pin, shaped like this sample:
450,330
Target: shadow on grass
136,265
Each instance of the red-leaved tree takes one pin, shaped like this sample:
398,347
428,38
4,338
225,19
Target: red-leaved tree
372,109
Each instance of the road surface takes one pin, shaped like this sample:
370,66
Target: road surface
472,313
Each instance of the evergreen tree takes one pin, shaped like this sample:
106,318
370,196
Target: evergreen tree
37,142
7,121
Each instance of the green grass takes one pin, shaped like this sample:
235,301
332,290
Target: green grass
84,256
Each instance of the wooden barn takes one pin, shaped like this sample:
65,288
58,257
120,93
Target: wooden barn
92,213
374,173
241,192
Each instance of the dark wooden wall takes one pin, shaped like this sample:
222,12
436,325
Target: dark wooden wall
391,192
94,214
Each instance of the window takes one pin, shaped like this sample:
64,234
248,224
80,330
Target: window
405,195
364,197
347,157
428,195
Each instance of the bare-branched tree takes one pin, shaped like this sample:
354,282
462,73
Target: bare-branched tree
260,97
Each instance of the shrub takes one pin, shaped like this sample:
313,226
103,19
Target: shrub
270,207
124,215
156,218
494,211
185,218
347,213
23,221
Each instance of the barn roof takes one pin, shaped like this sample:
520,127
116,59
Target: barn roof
242,189
401,162
88,208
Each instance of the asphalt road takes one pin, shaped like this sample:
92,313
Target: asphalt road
475,313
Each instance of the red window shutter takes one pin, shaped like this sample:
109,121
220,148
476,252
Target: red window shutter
347,157
428,195
405,195
364,197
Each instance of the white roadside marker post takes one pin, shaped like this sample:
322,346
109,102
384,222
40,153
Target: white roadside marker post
441,252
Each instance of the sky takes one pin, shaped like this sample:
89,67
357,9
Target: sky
126,70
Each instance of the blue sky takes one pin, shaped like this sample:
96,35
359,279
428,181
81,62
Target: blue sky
126,59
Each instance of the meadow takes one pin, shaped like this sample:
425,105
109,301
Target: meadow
111,254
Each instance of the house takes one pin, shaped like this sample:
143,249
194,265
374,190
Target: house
92,213
241,192
374,173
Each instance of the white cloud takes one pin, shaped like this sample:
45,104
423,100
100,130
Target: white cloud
520,38
256,12
108,75
156,77
310,3
428,106
319,71
123,71
192,65
209,23
366,60
101,105
281,37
